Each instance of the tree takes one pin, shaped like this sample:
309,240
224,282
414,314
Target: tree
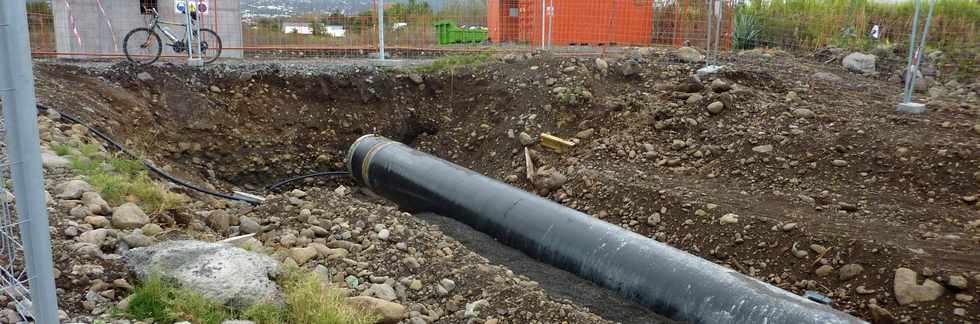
269,24
336,18
317,27
42,7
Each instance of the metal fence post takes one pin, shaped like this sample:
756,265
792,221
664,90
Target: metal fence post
543,23
551,21
915,59
909,73
24,149
381,29
709,36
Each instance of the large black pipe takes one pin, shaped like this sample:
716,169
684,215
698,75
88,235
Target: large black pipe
669,281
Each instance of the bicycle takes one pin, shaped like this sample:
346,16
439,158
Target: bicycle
146,46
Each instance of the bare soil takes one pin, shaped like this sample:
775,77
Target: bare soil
875,187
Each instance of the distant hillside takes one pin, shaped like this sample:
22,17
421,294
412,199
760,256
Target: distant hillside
259,8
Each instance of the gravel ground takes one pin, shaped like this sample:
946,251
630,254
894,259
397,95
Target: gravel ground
284,68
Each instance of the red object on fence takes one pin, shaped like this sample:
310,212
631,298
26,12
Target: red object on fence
575,22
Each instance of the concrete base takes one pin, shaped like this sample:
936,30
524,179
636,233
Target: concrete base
708,70
912,108
195,62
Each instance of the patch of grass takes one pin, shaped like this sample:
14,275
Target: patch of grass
119,179
91,151
163,302
264,314
151,300
193,307
308,301
61,149
453,62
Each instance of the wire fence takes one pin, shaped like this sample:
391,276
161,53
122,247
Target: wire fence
316,28
13,274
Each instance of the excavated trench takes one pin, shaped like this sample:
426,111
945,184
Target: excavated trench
653,152
246,130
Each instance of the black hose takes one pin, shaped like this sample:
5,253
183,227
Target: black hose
276,185
146,163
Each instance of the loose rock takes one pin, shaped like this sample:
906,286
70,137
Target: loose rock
391,312
689,54
849,271
72,189
907,291
728,219
716,107
762,149
859,62
129,216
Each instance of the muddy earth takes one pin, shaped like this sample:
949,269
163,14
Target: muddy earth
788,169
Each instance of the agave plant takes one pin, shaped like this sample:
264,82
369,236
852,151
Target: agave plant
746,31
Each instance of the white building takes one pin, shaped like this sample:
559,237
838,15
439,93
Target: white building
336,31
298,28
99,27
307,29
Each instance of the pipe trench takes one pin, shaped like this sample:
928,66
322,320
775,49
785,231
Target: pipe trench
669,281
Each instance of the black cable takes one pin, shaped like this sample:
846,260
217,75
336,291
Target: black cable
147,164
276,185
183,183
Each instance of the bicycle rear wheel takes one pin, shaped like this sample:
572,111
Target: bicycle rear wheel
142,46
210,45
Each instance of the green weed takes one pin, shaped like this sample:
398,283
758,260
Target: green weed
151,300
119,179
746,31
308,301
61,149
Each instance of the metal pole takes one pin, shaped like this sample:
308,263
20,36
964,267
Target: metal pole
542,22
719,11
709,5
381,29
918,52
551,22
24,147
188,28
910,72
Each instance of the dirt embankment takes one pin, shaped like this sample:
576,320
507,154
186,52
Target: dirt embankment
831,189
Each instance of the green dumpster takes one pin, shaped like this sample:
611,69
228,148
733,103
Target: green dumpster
448,33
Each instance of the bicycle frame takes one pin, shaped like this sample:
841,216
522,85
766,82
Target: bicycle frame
155,26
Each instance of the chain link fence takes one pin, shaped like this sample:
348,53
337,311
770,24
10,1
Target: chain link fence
13,275
254,29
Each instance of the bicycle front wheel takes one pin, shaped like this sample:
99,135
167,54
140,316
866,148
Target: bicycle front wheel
210,45
142,46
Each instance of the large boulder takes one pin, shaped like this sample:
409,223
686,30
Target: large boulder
859,62
221,272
